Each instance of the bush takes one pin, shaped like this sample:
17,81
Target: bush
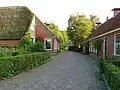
112,74
5,52
22,50
13,65
115,81
117,63
26,40
37,47
15,53
109,67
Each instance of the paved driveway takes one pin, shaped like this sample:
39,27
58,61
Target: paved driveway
68,71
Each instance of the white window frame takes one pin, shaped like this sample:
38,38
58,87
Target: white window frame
104,46
90,46
45,43
115,44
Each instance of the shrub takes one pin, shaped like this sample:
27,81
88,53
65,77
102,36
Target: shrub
115,81
109,67
116,62
22,50
112,74
37,47
13,65
5,52
15,53
26,40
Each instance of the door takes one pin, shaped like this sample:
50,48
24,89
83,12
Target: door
104,47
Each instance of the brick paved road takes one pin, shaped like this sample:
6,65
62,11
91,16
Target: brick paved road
68,71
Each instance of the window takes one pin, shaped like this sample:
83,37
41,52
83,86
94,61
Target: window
48,44
90,47
33,40
117,44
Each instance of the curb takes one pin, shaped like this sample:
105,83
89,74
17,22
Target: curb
106,84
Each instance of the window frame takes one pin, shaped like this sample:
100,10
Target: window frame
45,43
115,44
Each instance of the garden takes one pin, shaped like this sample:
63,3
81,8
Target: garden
110,67
23,57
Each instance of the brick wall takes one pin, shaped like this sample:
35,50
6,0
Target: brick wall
9,42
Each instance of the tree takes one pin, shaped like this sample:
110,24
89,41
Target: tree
79,28
54,28
26,40
94,19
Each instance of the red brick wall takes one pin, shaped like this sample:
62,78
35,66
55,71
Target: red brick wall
110,44
9,42
42,32
40,29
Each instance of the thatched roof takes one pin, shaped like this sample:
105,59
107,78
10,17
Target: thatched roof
14,21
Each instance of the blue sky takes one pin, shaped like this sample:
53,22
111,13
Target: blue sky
58,11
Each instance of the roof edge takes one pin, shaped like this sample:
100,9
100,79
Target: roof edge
104,34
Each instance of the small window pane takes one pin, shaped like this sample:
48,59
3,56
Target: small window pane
48,44
117,44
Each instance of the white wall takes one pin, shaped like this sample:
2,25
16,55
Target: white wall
32,28
55,44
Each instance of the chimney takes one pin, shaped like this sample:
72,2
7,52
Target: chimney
116,11
98,24
107,18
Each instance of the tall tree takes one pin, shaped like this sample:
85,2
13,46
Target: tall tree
94,19
79,27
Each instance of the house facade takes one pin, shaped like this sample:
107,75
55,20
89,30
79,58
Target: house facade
43,33
15,21
108,34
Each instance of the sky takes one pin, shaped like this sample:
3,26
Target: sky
58,11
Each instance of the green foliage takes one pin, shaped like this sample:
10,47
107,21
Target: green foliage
54,28
94,19
14,53
26,40
112,73
5,52
13,65
79,27
22,50
37,47
115,81
116,62
96,43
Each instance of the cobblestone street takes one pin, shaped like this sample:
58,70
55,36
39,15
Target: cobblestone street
67,71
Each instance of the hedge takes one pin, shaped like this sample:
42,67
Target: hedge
13,65
117,63
112,74
115,81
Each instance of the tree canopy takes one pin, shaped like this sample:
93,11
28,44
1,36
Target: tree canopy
79,28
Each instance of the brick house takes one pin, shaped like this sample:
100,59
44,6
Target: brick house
16,20
109,35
